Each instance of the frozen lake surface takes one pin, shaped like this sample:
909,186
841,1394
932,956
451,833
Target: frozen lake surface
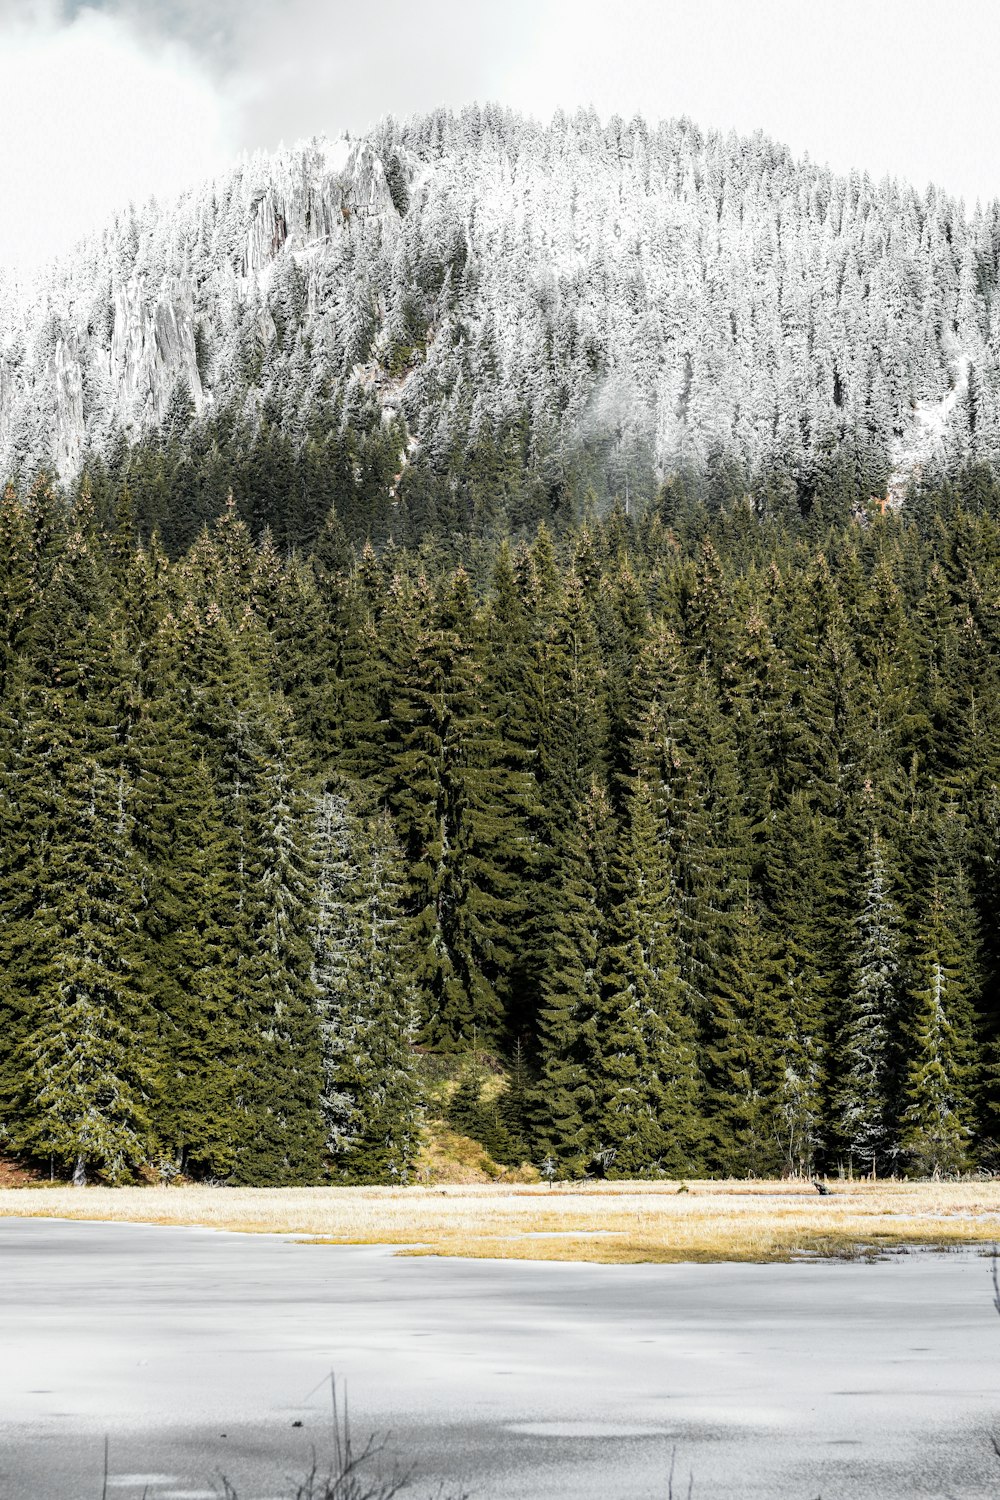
196,1352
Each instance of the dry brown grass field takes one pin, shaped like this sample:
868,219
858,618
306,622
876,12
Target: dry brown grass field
608,1222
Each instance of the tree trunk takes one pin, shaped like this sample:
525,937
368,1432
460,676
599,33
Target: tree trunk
80,1173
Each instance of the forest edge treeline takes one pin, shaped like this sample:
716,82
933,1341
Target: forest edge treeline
689,816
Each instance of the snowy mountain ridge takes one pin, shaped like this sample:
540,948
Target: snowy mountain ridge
659,294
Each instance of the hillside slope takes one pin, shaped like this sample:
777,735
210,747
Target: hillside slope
635,299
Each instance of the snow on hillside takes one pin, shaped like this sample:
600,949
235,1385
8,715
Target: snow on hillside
627,285
925,443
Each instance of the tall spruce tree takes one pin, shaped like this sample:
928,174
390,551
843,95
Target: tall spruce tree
76,1078
560,1105
365,999
80,1079
185,916
457,808
745,1043
566,932
646,1079
278,1073
864,1096
936,1106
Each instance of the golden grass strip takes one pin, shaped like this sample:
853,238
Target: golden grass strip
603,1222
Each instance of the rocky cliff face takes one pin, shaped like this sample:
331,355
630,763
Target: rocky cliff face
329,188
102,343
64,377
152,349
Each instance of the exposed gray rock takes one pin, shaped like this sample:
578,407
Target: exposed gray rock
152,349
102,341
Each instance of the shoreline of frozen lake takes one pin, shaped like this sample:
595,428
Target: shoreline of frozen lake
541,1380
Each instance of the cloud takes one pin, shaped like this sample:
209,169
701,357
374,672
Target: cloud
96,113
117,100
107,100
888,88
288,69
308,67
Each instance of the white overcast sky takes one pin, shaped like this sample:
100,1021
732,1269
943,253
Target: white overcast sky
115,100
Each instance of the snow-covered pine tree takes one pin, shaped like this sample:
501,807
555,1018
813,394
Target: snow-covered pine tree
864,1096
278,1070
365,999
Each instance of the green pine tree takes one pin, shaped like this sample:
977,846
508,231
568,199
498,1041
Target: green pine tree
936,1108
646,1077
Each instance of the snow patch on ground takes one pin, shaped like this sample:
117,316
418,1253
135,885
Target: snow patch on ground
927,439
335,154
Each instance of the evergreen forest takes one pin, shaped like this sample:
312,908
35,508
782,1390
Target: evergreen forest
684,810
